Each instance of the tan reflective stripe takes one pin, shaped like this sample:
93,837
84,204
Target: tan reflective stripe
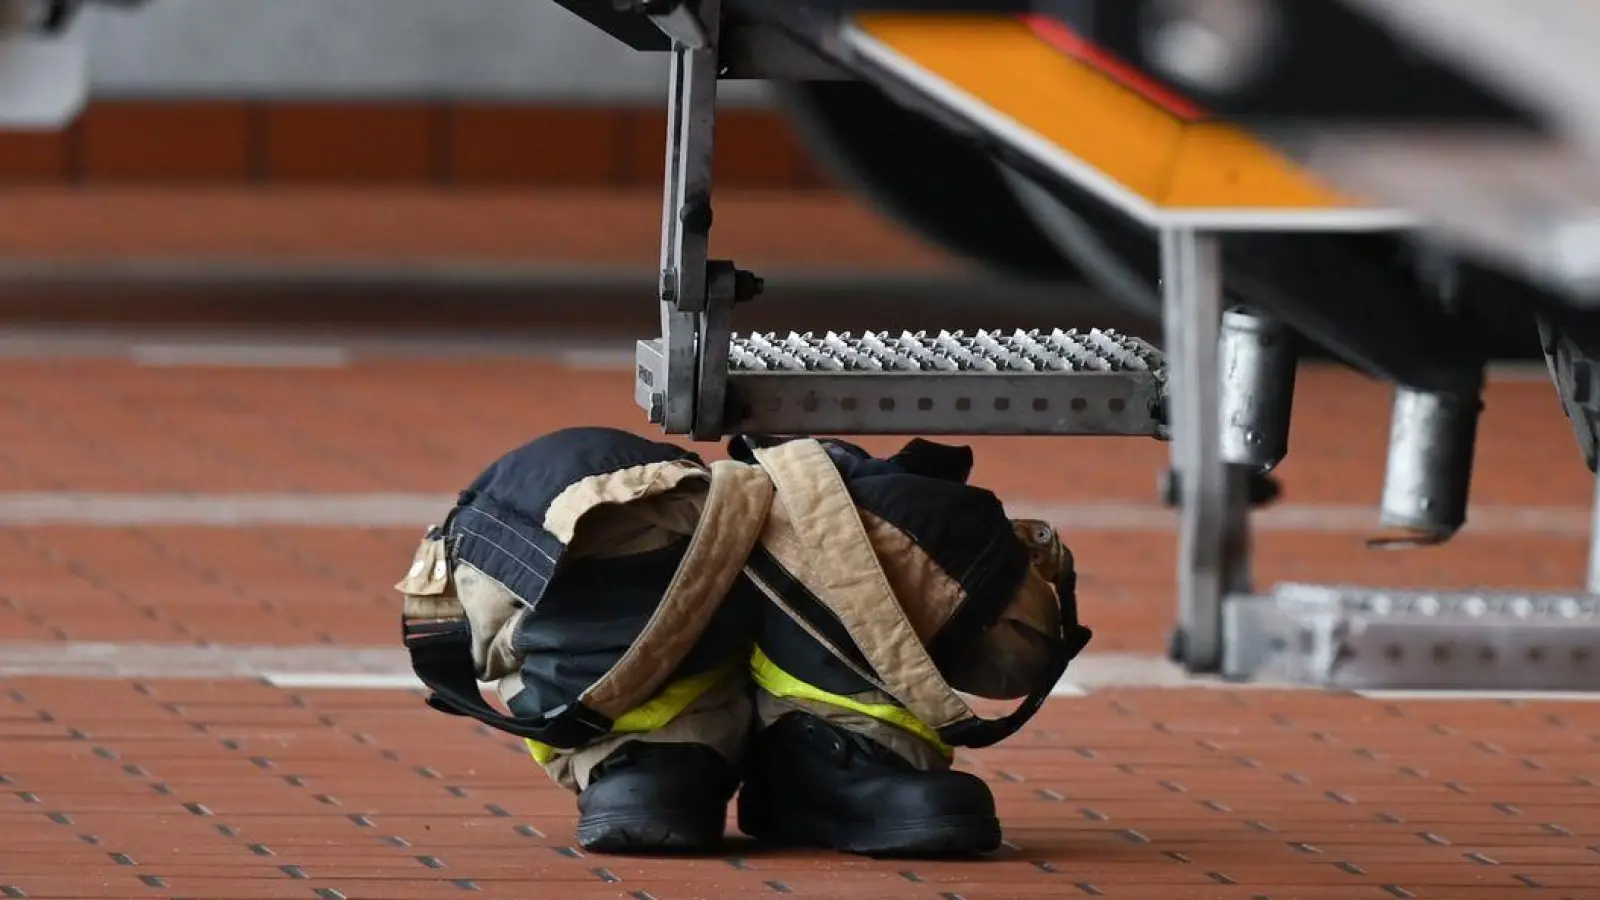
736,510
428,588
836,561
801,623
493,612
935,596
619,487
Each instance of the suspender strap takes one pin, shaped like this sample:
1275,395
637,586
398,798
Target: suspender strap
835,574
735,513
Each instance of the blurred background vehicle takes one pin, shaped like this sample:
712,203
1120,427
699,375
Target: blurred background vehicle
453,142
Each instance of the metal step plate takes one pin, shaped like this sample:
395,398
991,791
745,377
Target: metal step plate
1364,638
1095,382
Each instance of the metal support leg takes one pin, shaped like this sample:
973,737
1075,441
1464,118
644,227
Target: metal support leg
1257,359
685,232
1429,472
1213,551
1594,542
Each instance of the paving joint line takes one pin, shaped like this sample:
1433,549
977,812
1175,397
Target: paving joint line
402,509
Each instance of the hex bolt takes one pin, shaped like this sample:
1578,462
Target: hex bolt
747,285
696,215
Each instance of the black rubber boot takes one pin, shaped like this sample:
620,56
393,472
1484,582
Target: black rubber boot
657,798
813,784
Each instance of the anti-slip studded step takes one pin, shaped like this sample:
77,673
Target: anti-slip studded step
946,351
1095,382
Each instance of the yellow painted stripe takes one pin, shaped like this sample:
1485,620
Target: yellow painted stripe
1220,167
1149,151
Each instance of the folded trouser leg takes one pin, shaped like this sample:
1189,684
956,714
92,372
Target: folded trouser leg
920,587
594,575
662,777
868,713
838,764
710,711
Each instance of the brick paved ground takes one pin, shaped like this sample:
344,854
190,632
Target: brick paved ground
231,788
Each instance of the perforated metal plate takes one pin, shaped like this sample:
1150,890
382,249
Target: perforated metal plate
1057,382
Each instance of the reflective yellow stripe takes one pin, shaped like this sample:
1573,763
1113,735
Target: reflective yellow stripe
1170,162
542,753
655,713
779,683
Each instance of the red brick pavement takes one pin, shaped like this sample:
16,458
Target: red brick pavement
238,790
430,425
235,789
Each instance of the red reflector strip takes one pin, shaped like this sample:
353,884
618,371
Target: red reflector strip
1058,35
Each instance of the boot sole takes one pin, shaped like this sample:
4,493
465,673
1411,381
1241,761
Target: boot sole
947,837
629,834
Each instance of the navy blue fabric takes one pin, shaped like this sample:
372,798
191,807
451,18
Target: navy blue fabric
497,525
596,610
949,462
967,534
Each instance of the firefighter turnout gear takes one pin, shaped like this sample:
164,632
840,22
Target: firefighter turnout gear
798,624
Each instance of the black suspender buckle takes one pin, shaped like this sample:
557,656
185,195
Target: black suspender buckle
571,726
